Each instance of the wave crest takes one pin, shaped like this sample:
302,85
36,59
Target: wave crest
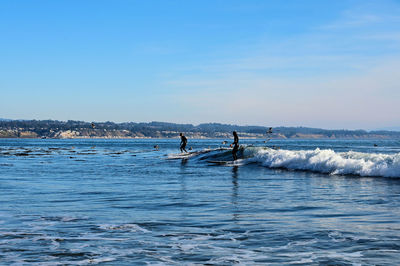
331,162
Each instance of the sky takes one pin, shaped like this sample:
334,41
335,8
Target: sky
328,64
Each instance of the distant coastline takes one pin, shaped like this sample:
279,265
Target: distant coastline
53,129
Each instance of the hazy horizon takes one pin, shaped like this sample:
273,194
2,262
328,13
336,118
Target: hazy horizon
312,63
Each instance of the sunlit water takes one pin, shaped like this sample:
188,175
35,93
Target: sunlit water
121,202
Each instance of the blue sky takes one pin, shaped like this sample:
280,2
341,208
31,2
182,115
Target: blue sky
330,64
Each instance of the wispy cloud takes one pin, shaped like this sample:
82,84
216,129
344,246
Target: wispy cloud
343,74
364,100
387,36
353,21
366,14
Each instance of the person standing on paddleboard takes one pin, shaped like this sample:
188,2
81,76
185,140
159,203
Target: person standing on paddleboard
235,145
183,142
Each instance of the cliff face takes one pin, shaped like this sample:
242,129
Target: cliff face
17,134
94,133
115,134
78,129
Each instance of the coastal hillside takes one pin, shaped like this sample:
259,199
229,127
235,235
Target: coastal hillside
80,129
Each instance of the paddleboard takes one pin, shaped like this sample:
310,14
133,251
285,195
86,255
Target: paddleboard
225,162
192,153
219,162
185,155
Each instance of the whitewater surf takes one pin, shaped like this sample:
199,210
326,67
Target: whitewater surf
325,161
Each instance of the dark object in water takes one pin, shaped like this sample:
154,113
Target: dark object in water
22,154
375,145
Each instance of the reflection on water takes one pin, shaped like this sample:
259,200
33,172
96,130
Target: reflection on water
235,186
184,162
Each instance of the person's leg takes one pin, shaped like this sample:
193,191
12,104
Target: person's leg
234,152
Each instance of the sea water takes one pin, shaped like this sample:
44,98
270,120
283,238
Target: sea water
123,202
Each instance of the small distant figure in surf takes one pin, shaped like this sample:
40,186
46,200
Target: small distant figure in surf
93,125
269,131
183,142
156,147
235,145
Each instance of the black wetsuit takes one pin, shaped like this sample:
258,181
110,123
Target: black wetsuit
183,143
235,147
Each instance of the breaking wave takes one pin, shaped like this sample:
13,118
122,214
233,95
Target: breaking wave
328,161
325,161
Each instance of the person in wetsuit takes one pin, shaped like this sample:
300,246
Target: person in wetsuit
235,145
183,142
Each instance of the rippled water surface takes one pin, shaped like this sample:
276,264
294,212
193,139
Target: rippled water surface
121,202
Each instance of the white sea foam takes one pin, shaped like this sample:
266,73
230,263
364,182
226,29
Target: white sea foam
93,261
127,227
330,162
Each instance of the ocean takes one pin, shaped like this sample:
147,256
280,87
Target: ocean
123,202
